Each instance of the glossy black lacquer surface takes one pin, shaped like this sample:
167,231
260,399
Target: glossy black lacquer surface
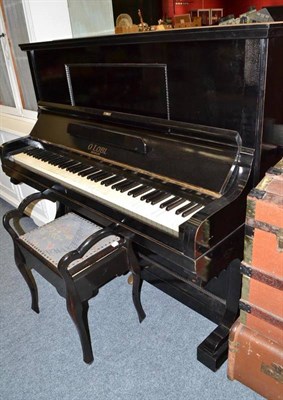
208,88
221,76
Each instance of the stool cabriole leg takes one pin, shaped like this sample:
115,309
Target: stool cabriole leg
19,258
28,277
78,312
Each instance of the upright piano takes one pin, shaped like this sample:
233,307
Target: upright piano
164,134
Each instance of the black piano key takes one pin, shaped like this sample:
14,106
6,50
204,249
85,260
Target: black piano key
140,190
148,195
35,151
97,176
78,167
185,208
110,181
88,171
102,176
169,202
53,158
63,161
188,212
119,184
71,166
84,168
43,154
152,195
160,197
49,153
46,156
175,204
57,161
130,185
36,155
68,164
91,176
42,157
126,185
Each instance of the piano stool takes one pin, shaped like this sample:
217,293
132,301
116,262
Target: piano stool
74,255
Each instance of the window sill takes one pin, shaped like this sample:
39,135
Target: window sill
20,126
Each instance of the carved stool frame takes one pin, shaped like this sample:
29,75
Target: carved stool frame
79,283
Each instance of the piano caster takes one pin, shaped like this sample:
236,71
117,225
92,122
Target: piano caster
213,351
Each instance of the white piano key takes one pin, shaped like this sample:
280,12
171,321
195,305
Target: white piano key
150,214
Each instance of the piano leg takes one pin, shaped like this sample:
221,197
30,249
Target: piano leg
213,351
78,312
137,281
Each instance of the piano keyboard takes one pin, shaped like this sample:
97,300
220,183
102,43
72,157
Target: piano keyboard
152,206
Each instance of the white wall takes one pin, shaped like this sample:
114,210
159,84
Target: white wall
91,17
47,19
62,19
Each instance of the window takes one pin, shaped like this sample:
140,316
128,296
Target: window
16,91
22,21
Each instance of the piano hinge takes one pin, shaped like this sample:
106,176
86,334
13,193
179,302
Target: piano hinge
245,307
245,270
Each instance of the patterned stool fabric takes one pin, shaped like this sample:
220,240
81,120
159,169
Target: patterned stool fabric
63,235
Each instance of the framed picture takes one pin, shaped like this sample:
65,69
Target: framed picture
204,13
216,14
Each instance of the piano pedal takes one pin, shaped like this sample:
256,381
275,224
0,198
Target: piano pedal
130,279
135,278
137,303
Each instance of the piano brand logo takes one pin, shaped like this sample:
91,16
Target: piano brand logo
96,149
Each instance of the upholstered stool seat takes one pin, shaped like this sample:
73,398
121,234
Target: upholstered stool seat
57,238
76,256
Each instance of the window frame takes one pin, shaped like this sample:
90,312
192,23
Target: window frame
38,30
19,109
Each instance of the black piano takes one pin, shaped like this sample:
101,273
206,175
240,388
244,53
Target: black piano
163,134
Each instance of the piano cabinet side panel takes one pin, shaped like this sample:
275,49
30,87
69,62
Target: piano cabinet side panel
14,194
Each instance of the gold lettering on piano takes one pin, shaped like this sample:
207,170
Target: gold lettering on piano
96,149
